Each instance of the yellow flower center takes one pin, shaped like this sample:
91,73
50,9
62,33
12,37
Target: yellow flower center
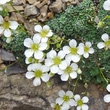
44,33
86,49
73,51
107,43
57,60
35,47
38,73
5,25
57,107
80,102
68,70
66,98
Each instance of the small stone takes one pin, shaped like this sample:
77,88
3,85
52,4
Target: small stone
31,1
14,69
1,61
50,15
30,10
17,2
19,8
56,6
2,66
43,10
42,4
6,56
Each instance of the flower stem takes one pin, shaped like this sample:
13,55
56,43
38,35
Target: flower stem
107,106
69,82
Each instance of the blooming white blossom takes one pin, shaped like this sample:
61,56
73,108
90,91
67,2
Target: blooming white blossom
70,71
106,43
107,97
44,32
9,39
55,61
106,5
35,47
80,103
65,99
72,51
87,49
4,1
6,26
56,106
39,72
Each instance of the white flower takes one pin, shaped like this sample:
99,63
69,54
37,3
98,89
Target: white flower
39,72
65,99
1,8
55,61
106,5
33,60
87,49
35,47
6,26
107,97
73,52
56,106
80,103
70,71
4,1
106,43
44,32
9,39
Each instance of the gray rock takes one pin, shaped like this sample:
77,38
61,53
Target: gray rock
43,10
14,69
17,2
30,10
56,6
6,56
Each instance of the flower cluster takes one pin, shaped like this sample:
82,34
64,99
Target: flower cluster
107,97
67,100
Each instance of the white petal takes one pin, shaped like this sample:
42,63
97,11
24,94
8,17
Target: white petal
105,37
75,58
61,54
107,98
72,102
38,28
59,101
88,44
68,58
36,38
36,82
45,77
29,68
66,105
44,39
63,65
106,5
44,68
28,53
81,45
80,50
77,97
64,77
74,66
60,72
9,39
79,108
91,50
69,93
72,43
54,69
43,46
26,61
101,45
13,25
28,42
29,75
51,54
108,87
38,54
85,99
66,49
1,30
52,105
1,19
7,33
49,34
46,27
37,66
61,93
85,107
86,55
73,75
48,62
